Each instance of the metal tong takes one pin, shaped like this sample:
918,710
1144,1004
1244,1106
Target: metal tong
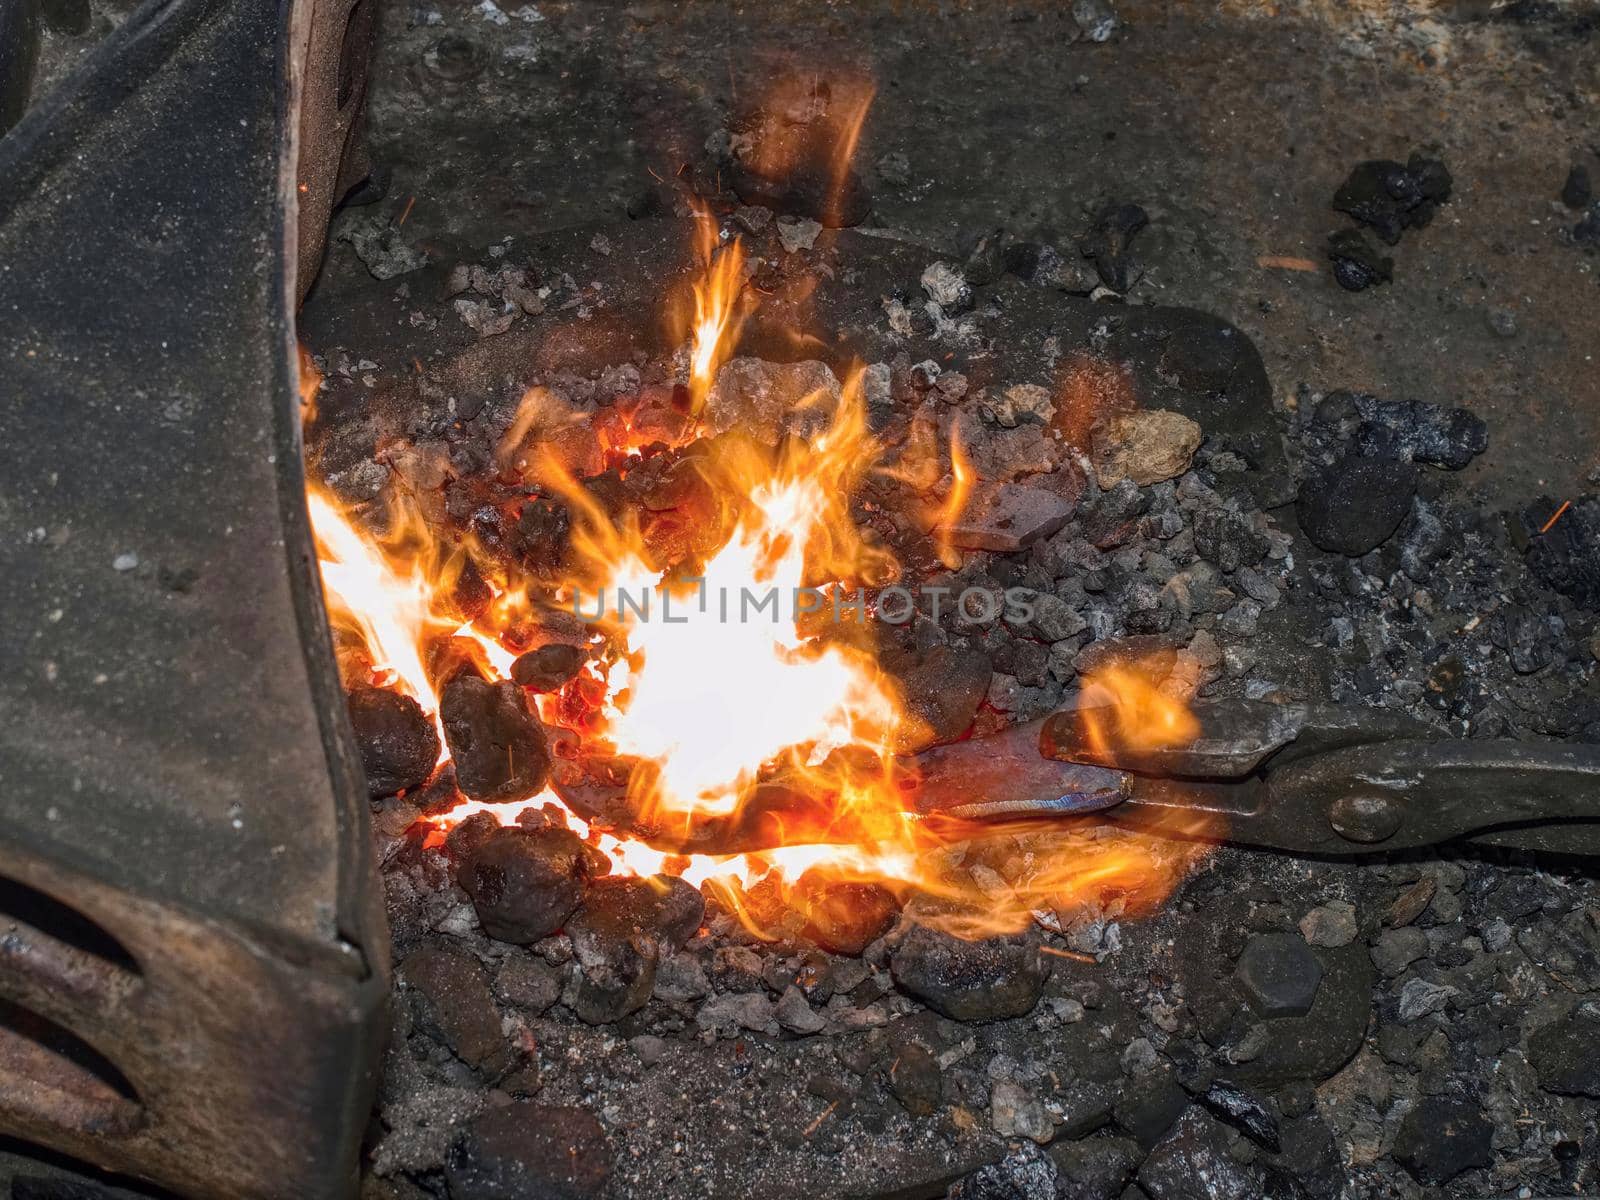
1322,779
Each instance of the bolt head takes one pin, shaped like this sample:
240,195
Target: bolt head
1279,974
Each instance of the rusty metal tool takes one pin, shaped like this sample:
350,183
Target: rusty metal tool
193,959
1323,779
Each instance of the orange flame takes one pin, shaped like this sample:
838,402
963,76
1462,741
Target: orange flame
718,313
713,700
955,501
1134,706
310,385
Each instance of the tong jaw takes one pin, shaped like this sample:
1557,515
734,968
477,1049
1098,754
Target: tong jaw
1323,779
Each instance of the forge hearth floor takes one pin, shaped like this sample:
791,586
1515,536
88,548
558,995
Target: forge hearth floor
1447,1045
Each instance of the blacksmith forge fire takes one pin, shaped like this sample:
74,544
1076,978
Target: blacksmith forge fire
851,714
698,669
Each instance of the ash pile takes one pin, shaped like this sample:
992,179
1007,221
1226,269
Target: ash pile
1273,1027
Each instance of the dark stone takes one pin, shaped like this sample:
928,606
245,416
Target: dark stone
1096,1168
525,883
1227,539
1391,198
454,1005
1357,264
1356,504
661,907
528,982
1313,1154
399,746
844,917
982,980
1149,1105
617,970
549,668
1567,555
1417,431
525,1150
942,686
1577,191
1279,974
1110,240
1244,1111
1007,517
1566,1053
916,1080
1192,1163
1023,1174
1587,231
499,748
1443,1136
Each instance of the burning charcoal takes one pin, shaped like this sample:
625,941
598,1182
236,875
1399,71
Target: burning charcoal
1356,504
1146,447
1008,517
541,533
1192,1162
983,980
398,744
522,1150
1244,1112
466,837
1108,243
454,1005
499,748
1564,547
1356,264
943,687
525,883
549,668
661,907
1442,1136
766,400
1566,1053
843,917
1577,191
